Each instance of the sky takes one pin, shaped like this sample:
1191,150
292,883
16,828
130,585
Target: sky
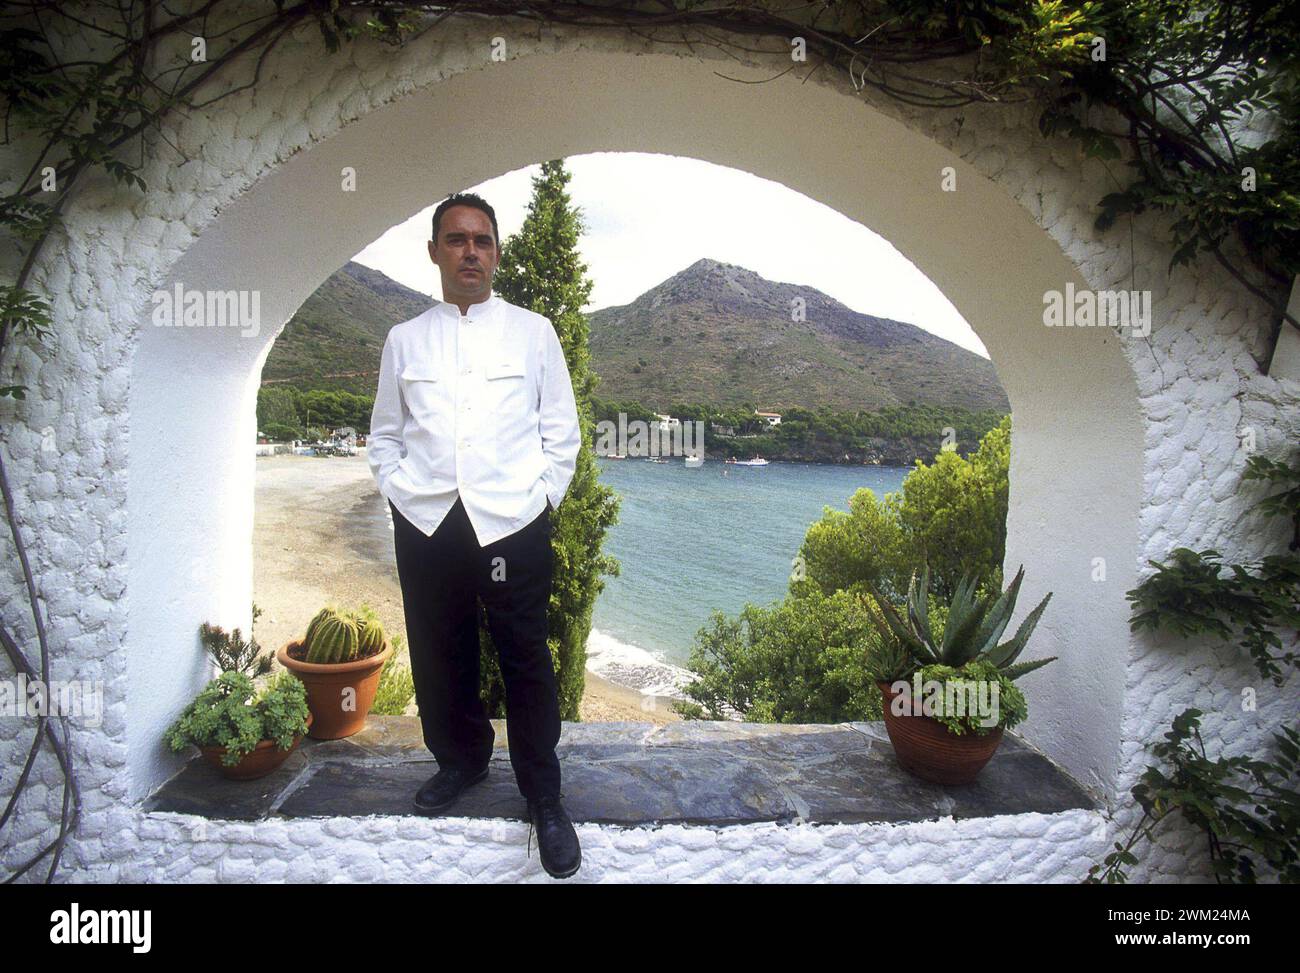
648,216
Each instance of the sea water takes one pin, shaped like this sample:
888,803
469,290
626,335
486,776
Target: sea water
688,541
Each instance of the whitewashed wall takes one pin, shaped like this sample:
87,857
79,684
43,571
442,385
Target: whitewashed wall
1008,848
134,480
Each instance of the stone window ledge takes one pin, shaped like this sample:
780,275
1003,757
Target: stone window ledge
632,774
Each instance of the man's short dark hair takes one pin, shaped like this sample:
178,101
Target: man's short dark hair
464,199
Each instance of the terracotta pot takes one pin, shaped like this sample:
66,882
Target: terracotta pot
927,748
327,686
258,762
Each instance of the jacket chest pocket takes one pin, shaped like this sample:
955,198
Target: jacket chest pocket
506,387
423,391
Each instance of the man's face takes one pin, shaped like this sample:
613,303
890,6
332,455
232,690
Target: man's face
465,244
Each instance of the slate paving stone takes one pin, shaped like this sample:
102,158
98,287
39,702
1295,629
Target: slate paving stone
606,733
337,790
693,772
815,744
1011,783
1011,744
347,749
201,790
759,741
875,731
860,787
393,731
394,738
603,741
694,787
1016,783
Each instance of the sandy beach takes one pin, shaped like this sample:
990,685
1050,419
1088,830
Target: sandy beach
317,539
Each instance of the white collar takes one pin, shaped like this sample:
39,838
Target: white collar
476,311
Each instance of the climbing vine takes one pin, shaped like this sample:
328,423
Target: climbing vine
1247,808
1166,81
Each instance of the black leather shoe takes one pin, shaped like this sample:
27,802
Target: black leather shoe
557,841
441,790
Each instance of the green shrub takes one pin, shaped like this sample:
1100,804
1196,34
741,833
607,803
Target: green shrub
396,686
797,661
950,516
278,432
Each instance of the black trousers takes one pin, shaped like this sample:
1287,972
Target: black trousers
442,577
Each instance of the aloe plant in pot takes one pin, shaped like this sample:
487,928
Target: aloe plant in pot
947,699
340,659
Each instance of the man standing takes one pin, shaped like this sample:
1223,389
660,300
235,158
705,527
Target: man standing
473,441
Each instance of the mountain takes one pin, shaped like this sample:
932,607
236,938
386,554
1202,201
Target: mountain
720,333
340,330
714,333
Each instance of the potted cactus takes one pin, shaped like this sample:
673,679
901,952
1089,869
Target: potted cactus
340,659
947,699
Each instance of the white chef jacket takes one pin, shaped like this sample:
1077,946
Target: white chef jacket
477,405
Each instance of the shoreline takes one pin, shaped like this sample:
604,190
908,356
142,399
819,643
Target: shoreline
318,538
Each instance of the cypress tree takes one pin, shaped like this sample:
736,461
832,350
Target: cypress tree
540,270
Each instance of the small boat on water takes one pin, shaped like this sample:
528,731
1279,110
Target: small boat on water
613,455
694,461
656,459
756,461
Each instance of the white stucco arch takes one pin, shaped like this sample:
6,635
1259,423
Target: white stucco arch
135,490
294,227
